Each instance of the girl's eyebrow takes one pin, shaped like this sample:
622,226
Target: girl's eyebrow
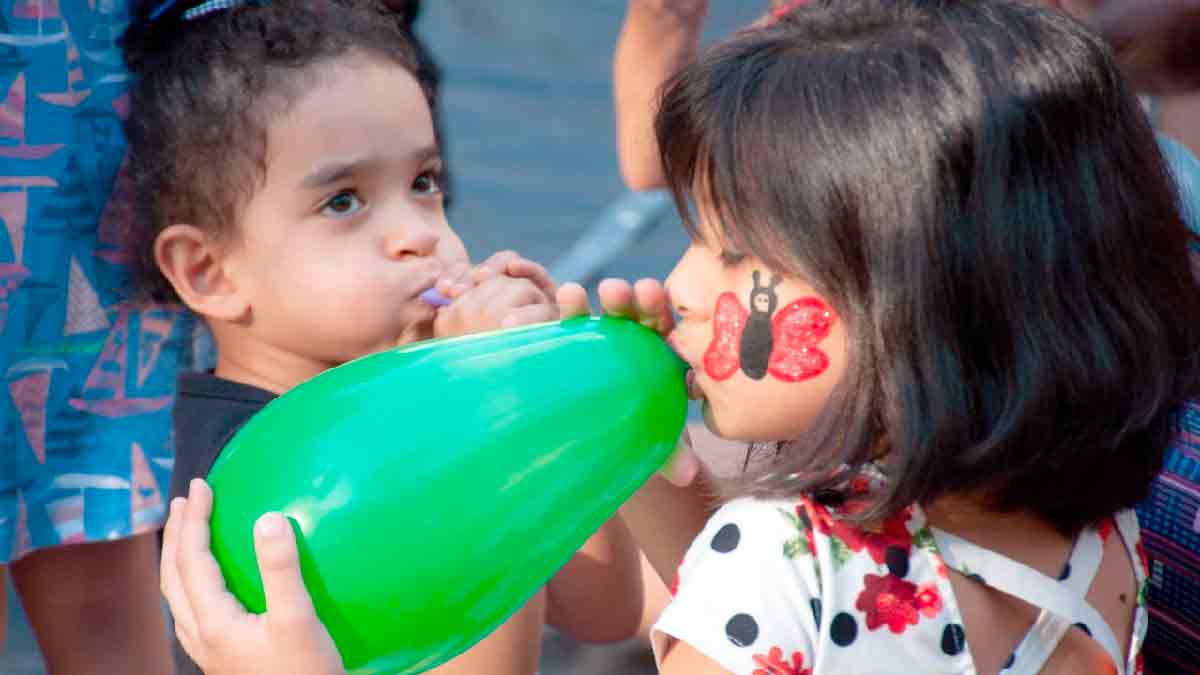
332,171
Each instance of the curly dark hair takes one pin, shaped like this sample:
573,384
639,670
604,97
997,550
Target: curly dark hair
205,90
975,189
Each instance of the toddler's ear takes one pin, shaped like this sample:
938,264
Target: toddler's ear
194,263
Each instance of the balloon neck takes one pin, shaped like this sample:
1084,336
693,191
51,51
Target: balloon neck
682,365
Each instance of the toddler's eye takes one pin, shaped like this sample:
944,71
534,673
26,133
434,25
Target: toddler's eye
428,183
731,258
342,205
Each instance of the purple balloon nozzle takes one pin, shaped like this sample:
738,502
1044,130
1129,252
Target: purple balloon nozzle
434,297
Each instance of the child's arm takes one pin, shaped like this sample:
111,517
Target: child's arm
683,659
217,632
597,596
658,38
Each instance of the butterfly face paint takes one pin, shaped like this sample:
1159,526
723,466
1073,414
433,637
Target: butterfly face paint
784,345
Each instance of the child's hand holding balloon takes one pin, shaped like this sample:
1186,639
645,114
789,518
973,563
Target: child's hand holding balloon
215,629
506,290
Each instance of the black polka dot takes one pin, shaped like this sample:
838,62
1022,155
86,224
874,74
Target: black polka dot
976,578
815,603
1012,658
843,630
897,561
1083,627
1065,573
742,630
726,539
954,639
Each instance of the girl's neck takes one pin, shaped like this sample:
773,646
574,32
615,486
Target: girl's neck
1021,536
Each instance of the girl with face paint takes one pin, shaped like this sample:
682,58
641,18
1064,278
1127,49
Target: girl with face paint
936,281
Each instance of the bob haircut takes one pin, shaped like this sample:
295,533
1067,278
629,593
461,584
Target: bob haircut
974,188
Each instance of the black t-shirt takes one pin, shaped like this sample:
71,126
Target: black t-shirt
208,412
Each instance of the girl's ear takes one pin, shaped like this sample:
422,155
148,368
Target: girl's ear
194,263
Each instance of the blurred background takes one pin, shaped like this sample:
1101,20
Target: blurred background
528,115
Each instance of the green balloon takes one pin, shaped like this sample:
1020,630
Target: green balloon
436,487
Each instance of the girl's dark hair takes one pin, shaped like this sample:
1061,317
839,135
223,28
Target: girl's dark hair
204,91
976,191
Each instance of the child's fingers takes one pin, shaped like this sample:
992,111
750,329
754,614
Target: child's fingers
169,580
616,297
524,268
453,281
494,265
573,301
652,306
203,584
289,605
530,314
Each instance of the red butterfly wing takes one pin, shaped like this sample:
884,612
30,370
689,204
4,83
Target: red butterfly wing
796,331
729,319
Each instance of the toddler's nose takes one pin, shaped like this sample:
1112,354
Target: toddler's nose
416,241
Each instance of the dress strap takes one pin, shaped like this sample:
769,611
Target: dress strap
1065,598
1038,645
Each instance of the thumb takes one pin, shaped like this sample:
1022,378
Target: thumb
572,301
279,564
453,281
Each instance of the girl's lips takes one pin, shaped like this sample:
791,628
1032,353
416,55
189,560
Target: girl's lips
693,390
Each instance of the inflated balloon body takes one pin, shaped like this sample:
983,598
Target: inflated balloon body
435,488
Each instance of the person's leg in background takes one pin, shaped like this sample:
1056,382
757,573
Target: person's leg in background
95,608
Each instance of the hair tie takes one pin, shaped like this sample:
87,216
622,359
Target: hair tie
780,11
203,9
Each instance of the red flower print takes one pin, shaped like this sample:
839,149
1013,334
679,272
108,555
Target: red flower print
773,664
894,531
1105,528
675,584
888,600
929,601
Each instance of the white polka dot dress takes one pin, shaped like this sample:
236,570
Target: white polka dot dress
785,588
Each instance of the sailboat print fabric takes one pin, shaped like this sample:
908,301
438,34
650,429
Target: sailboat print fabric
88,374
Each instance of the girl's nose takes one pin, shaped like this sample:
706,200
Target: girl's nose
681,295
417,241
